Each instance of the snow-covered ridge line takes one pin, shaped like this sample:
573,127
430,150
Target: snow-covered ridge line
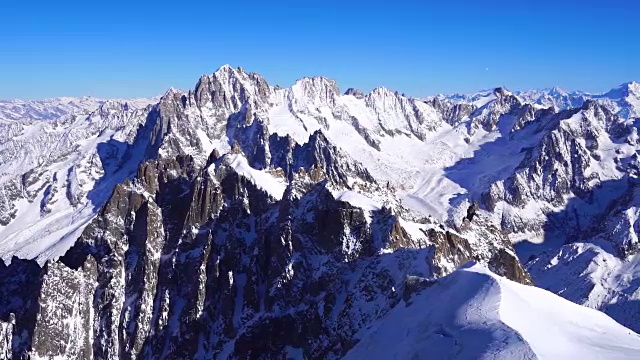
472,313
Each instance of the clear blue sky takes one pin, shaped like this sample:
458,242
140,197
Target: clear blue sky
140,48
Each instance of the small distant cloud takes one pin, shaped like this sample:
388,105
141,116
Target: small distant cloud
486,69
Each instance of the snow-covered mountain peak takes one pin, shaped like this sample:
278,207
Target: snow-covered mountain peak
623,100
501,92
627,89
316,82
383,91
172,91
226,69
384,99
228,89
317,90
229,74
627,98
556,90
111,114
112,105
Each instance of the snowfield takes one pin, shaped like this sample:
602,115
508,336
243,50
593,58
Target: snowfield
475,314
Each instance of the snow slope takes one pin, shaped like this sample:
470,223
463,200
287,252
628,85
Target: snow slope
56,174
475,314
589,275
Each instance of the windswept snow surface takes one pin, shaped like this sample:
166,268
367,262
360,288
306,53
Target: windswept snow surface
475,314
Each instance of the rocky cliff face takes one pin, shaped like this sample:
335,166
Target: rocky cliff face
198,262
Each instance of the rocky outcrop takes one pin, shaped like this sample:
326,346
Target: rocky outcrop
488,116
452,112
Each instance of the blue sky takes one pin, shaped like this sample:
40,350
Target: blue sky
140,48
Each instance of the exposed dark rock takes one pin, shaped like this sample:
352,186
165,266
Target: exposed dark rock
358,94
472,210
452,113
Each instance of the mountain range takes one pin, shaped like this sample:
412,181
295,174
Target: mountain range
243,220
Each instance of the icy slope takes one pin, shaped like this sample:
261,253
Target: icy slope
475,314
587,274
601,267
